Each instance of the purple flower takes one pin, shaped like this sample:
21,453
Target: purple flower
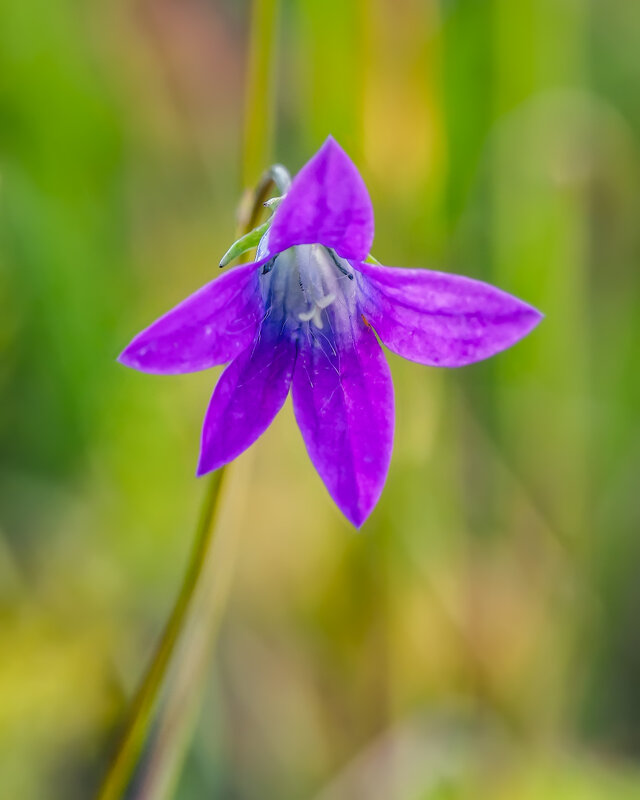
305,315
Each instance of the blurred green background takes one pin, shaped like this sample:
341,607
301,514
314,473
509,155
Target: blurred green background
480,638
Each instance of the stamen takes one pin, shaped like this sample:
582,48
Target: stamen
305,281
336,261
266,269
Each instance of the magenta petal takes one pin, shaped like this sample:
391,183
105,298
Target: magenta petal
249,394
210,327
343,402
328,204
441,319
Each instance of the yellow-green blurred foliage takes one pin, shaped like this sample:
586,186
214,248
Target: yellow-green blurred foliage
479,639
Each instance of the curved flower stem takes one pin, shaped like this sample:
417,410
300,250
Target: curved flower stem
135,731
137,727
178,716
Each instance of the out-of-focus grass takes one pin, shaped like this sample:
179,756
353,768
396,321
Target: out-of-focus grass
495,587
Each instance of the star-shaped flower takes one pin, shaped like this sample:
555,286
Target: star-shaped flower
307,316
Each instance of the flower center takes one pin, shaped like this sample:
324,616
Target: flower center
308,285
314,314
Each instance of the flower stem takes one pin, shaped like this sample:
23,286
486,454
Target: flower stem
166,753
177,718
260,89
135,731
136,728
172,737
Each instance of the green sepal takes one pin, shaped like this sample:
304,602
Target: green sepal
372,260
244,243
273,204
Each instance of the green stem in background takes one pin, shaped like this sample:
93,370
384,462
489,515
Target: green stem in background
259,98
135,732
178,716
202,585
166,753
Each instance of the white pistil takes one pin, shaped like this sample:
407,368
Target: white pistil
314,314
325,302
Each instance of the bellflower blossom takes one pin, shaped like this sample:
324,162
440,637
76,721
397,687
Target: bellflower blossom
307,316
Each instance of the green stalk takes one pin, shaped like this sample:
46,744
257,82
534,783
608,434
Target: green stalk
137,725
193,624
260,90
540,240
177,719
166,753
140,715
172,739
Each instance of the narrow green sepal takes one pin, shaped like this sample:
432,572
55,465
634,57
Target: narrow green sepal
273,204
244,243
372,260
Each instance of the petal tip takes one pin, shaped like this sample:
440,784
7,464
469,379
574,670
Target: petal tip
331,143
536,316
358,517
328,204
202,469
357,510
531,318
128,358
133,357
206,463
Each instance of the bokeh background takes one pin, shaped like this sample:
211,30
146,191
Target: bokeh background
480,638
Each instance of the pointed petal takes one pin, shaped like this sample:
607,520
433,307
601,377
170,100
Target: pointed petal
327,204
210,327
343,402
249,394
441,319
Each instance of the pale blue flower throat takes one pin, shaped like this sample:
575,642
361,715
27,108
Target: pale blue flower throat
306,283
